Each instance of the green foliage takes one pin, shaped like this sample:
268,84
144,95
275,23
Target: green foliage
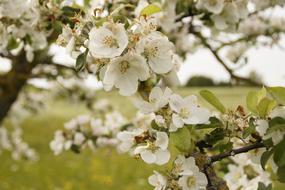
281,174
70,11
182,140
214,123
278,93
150,10
277,123
250,130
279,154
81,61
213,100
215,136
265,106
265,157
262,186
12,44
253,98
200,81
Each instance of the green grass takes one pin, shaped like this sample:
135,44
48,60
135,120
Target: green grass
104,170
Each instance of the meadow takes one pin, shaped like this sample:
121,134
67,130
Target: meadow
103,170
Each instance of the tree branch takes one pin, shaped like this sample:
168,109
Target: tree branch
233,152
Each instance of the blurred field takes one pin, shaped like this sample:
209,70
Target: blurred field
104,170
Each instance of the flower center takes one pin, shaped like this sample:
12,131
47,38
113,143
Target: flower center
191,181
184,113
151,52
110,41
124,66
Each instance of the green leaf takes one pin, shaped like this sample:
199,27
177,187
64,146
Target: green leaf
214,123
279,154
276,124
223,146
81,61
262,186
182,140
265,157
251,129
278,93
265,106
150,10
253,98
214,136
281,174
12,44
213,100
70,11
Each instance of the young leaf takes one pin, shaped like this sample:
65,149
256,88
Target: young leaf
251,129
281,174
279,154
213,100
262,186
214,123
81,61
253,98
150,10
182,139
277,123
278,93
265,106
265,157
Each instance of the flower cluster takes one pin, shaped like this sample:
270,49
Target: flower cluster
124,55
245,173
24,25
13,142
86,131
184,175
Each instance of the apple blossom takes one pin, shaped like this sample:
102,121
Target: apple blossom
155,152
108,41
125,72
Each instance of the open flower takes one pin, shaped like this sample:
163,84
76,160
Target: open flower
214,6
192,178
158,51
155,152
108,41
158,181
127,139
187,111
125,72
157,100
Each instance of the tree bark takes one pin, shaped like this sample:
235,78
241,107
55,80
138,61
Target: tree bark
12,83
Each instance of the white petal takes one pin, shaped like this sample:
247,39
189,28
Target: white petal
162,156
177,121
176,103
148,156
162,140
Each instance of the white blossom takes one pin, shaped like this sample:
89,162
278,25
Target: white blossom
155,152
187,111
158,181
191,178
127,139
108,41
157,100
158,51
214,6
125,72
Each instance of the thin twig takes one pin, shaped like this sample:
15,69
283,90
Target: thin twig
233,152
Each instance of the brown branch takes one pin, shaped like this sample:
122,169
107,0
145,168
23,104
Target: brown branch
234,152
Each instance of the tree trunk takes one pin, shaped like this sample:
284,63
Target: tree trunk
12,82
